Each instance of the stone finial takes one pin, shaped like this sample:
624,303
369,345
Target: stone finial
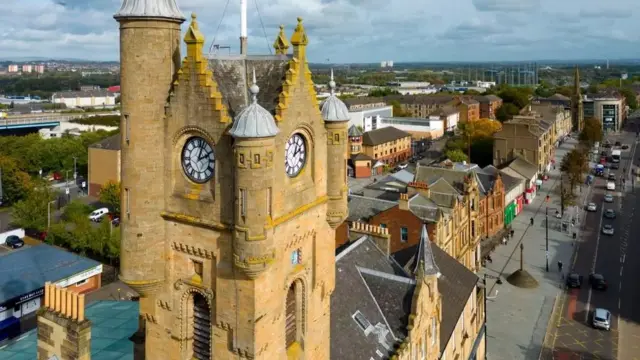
193,35
332,84
425,262
281,45
254,121
299,37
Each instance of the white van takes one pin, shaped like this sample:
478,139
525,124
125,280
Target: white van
97,214
611,185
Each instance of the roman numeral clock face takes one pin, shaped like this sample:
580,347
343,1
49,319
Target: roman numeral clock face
295,155
198,160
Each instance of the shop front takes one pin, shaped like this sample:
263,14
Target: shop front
519,204
509,213
530,193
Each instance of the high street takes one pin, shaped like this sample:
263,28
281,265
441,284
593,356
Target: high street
570,335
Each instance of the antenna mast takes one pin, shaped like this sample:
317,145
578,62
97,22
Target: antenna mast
243,27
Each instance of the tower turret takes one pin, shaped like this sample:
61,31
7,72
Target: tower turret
577,112
355,140
254,130
336,119
149,59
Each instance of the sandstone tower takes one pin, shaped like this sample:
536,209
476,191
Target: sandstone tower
234,182
577,112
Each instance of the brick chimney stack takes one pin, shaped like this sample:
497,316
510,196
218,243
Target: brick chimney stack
420,187
403,203
379,234
63,330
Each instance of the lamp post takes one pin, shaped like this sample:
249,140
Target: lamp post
49,213
75,173
546,242
484,282
562,195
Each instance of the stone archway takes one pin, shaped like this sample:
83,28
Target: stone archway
197,316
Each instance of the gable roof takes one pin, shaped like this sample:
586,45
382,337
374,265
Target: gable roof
522,167
383,135
371,303
363,208
110,143
509,182
558,97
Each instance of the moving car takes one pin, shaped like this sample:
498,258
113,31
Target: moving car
607,145
610,214
574,280
601,319
618,143
615,166
14,242
603,153
611,177
607,230
625,147
592,207
96,215
608,198
598,282
611,185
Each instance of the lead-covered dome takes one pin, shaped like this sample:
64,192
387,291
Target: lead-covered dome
334,109
167,9
254,121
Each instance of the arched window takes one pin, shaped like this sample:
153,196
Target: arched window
201,328
291,316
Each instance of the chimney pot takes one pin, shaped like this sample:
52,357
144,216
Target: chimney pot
74,306
63,295
81,308
57,297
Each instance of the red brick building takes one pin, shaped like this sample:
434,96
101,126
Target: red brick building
491,216
360,165
388,145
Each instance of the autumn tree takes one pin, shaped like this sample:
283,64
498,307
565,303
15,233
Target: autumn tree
591,132
574,165
16,183
480,128
110,196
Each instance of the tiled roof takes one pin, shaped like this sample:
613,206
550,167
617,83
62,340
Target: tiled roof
384,135
110,143
374,289
436,99
354,131
363,208
112,324
508,181
522,167
483,99
26,270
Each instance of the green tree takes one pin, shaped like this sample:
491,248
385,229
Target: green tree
507,111
591,132
630,95
33,211
76,209
516,96
16,183
383,92
456,155
110,195
472,92
397,109
574,165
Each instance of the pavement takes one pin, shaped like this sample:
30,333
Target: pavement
517,318
570,336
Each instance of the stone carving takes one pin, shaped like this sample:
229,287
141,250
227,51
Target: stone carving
192,250
299,239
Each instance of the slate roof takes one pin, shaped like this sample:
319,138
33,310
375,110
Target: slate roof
485,99
383,135
254,121
430,174
110,143
509,182
363,100
558,97
436,99
26,270
363,208
354,131
112,324
361,157
369,283
233,74
376,286
404,175
444,111
522,167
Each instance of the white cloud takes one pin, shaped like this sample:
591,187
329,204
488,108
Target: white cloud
349,30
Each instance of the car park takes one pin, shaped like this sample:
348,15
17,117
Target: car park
608,198
598,282
14,242
608,229
592,207
574,281
610,214
601,319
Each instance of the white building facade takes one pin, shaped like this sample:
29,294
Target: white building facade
80,99
419,128
367,116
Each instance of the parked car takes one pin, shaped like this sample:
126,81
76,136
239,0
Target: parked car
574,281
592,207
402,166
603,153
601,319
610,214
625,147
615,166
115,221
96,215
618,143
611,177
608,229
598,282
607,145
611,185
608,198
14,242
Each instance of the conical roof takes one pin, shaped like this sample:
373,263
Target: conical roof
354,131
424,257
333,109
254,121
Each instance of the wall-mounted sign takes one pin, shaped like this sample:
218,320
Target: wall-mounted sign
21,299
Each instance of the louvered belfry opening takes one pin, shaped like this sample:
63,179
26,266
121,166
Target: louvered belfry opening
201,328
291,326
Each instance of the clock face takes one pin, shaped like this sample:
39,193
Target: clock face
295,155
198,160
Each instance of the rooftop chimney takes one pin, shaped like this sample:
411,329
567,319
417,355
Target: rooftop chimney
63,331
403,204
378,234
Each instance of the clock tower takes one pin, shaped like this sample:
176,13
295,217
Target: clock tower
234,183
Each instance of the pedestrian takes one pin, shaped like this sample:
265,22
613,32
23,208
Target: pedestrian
531,220
504,240
560,266
512,233
575,236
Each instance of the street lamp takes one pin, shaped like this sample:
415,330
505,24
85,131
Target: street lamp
75,173
546,241
49,213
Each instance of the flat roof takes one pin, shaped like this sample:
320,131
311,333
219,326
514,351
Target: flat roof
26,270
112,324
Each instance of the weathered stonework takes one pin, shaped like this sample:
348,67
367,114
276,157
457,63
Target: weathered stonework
241,245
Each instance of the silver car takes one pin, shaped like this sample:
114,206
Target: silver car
607,230
592,207
601,319
608,198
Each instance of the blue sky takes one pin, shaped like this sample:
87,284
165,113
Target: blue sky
350,30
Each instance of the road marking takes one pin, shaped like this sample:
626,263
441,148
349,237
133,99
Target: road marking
620,286
621,271
619,309
622,258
